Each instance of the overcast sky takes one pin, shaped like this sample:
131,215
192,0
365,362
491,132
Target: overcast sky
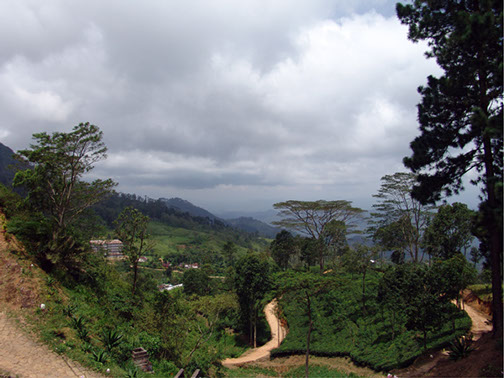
232,105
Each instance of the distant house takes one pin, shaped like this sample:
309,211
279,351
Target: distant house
168,287
143,259
110,248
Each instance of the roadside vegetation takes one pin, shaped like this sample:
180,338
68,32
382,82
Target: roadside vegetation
381,303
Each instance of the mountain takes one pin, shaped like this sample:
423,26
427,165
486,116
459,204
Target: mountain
253,226
7,164
187,207
247,224
266,216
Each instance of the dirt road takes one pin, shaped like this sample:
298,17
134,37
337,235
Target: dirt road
23,357
438,363
278,333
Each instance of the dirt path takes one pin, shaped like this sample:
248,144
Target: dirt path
438,363
21,356
278,333
480,321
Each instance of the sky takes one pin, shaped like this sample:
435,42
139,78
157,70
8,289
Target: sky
231,105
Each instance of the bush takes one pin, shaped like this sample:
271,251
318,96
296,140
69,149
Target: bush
460,347
341,328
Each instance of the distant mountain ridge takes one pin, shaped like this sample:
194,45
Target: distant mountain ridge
187,207
254,226
247,224
7,163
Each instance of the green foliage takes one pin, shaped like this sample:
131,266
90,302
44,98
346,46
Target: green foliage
79,324
131,228
252,281
460,347
282,248
324,221
318,371
399,220
196,281
383,338
449,233
461,114
100,356
229,252
9,201
111,338
250,371
55,187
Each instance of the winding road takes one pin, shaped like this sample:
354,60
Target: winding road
278,333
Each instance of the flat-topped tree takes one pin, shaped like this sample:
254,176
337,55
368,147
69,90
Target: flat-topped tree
320,220
461,112
54,182
400,220
131,229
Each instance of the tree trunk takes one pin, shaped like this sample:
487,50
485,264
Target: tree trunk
364,292
135,276
321,259
495,239
310,325
255,327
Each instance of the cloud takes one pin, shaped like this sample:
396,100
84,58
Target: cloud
231,99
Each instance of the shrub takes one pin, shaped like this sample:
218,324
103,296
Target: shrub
111,339
460,347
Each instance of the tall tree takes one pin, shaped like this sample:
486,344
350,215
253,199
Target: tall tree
449,233
461,112
303,288
282,248
359,260
131,229
54,180
229,251
252,282
316,218
400,220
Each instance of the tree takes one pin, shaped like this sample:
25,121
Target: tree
314,218
229,252
131,229
252,281
282,248
359,260
400,219
460,114
449,233
54,181
196,281
416,292
303,288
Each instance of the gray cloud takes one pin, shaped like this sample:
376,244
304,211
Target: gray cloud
219,101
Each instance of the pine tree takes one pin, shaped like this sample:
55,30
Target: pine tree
460,114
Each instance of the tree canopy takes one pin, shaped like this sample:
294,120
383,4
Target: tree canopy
131,229
461,112
54,180
449,233
317,219
400,219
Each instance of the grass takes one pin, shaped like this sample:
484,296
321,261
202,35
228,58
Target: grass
297,370
250,371
482,291
318,371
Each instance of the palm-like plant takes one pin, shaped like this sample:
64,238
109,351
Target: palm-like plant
461,347
111,339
